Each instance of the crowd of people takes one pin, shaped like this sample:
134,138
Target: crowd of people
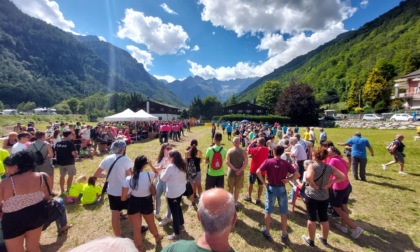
279,156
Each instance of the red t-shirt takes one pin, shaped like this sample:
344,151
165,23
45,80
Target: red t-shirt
259,155
276,169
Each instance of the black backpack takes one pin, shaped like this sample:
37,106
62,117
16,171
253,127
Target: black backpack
39,158
191,169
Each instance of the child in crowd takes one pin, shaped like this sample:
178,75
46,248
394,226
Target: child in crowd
297,182
86,152
90,192
76,189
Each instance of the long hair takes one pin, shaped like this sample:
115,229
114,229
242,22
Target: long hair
25,161
139,164
178,161
161,153
193,148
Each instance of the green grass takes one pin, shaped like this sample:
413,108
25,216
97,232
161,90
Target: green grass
387,206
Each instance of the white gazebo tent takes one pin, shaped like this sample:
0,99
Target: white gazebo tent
126,115
144,116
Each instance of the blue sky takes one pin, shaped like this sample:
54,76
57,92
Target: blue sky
223,39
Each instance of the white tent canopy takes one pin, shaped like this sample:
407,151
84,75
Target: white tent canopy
126,115
144,116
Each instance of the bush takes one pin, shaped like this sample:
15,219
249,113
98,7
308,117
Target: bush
380,107
367,109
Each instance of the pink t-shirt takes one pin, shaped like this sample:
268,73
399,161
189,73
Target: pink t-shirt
341,164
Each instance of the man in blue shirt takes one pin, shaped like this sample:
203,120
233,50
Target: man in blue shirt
358,154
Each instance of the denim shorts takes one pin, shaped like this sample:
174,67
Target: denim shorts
271,194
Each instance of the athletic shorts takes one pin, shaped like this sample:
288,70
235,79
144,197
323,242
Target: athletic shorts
340,197
316,208
197,179
253,177
215,181
142,205
116,204
236,182
67,169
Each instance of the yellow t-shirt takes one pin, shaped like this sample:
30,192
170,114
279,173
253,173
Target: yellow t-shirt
76,189
306,136
3,155
89,194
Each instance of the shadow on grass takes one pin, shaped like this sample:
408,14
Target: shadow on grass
379,239
393,186
55,246
378,176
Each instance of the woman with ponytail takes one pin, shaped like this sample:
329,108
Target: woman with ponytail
193,157
140,203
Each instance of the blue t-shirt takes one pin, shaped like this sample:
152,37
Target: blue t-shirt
224,124
229,128
358,146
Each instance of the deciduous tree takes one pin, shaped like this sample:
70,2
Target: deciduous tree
297,101
268,94
211,107
376,89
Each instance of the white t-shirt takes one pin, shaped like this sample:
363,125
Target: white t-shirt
85,134
118,173
298,152
18,147
161,163
143,184
176,181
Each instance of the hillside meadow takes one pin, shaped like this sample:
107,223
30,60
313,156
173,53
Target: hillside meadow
386,206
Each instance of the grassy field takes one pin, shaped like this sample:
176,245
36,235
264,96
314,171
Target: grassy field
386,206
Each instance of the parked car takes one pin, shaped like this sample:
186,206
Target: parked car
372,117
401,117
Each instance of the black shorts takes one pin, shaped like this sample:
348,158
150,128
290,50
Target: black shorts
116,204
17,223
229,133
253,177
340,197
215,181
143,205
316,208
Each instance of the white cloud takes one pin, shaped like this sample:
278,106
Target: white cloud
101,38
141,56
195,48
166,8
46,10
280,52
287,16
168,78
305,24
364,3
159,37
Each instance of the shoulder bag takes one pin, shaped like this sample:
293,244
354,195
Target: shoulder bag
53,209
152,186
302,189
105,187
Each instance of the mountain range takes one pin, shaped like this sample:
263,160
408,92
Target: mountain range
195,86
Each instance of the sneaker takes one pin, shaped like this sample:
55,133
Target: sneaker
284,237
165,221
181,228
322,240
384,166
403,173
246,198
236,206
308,241
356,232
157,216
258,202
173,237
266,234
341,227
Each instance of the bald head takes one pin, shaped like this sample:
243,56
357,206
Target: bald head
236,142
216,211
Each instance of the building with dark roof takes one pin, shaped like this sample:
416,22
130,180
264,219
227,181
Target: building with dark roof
161,110
245,108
